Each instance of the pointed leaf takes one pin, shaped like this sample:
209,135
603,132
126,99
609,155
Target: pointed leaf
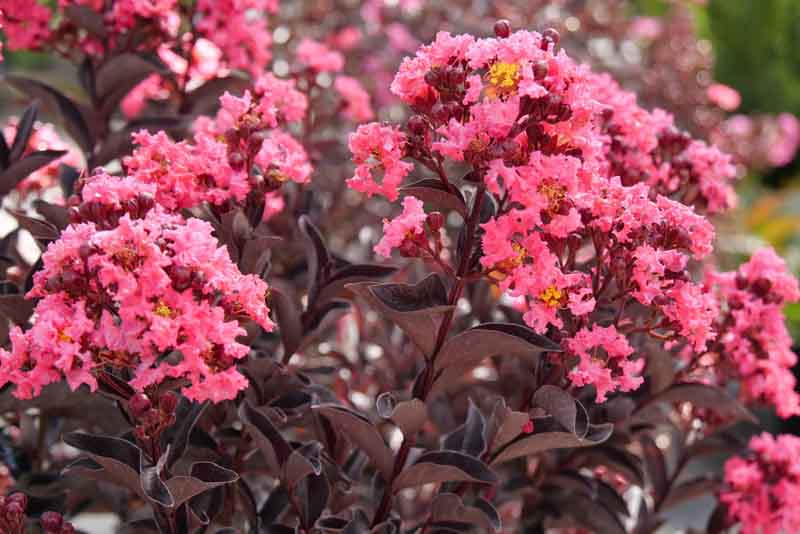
69,112
544,441
24,131
416,309
17,308
464,351
272,445
177,436
362,433
204,476
19,170
444,466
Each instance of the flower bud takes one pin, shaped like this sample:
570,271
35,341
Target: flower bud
502,28
139,405
52,521
18,498
550,35
435,221
236,161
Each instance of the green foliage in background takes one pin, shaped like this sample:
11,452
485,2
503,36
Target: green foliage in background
756,44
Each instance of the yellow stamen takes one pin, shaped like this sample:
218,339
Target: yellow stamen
503,268
504,76
163,310
554,193
63,337
552,296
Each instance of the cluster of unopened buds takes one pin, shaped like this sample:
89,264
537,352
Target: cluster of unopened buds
152,419
13,519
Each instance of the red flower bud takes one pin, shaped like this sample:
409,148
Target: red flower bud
502,28
139,405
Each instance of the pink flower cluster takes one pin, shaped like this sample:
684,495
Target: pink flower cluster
377,151
615,371
156,296
217,165
755,346
761,489
236,29
599,202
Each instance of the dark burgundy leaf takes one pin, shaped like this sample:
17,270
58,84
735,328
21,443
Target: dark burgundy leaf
312,492
448,508
564,408
362,433
433,191
288,316
409,416
114,387
544,441
718,522
56,215
302,462
17,308
203,476
24,131
416,309
67,176
5,153
334,287
464,351
111,459
474,442
274,506
154,487
491,513
256,253
590,513
272,445
317,255
42,231
122,73
177,436
444,466
20,169
69,112
616,459
655,463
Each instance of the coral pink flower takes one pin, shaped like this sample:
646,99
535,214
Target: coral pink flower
604,361
129,296
317,56
407,224
761,490
356,99
378,149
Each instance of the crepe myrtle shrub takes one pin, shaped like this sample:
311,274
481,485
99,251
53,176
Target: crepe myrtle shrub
546,345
